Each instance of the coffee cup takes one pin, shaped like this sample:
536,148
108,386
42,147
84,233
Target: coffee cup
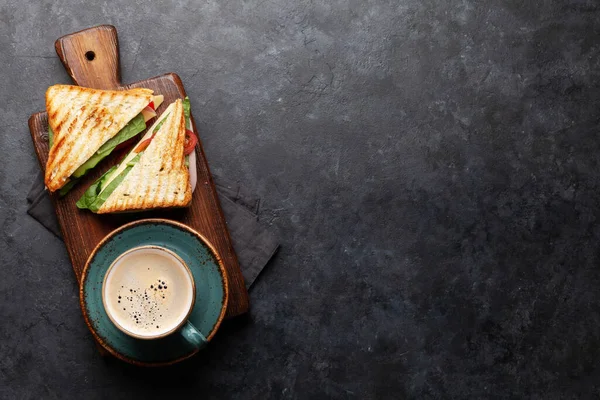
149,292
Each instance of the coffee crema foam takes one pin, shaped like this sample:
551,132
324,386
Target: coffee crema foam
148,292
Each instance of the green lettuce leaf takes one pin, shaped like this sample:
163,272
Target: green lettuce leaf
188,123
50,137
68,186
186,107
96,195
162,121
134,127
91,194
135,159
186,112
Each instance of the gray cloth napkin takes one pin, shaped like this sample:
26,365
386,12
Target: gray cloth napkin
253,243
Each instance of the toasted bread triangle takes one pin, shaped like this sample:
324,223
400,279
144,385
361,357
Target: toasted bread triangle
160,178
82,120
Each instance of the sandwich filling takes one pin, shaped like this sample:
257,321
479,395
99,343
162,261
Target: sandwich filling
96,195
129,131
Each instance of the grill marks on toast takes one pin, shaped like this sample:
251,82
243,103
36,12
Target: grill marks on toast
70,123
82,120
160,177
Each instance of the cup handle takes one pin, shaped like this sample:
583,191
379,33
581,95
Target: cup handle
193,336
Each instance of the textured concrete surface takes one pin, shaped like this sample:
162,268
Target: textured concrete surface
432,168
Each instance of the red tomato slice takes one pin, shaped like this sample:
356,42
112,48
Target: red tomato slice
151,105
143,145
190,142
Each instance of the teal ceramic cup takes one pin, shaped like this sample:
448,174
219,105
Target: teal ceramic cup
209,306
148,293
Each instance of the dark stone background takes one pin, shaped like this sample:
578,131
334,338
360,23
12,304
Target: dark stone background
432,168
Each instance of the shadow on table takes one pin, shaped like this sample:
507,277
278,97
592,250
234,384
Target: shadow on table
186,372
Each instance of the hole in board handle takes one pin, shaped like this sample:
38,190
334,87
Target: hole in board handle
90,55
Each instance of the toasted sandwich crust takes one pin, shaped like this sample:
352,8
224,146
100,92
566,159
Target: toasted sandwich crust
82,120
160,178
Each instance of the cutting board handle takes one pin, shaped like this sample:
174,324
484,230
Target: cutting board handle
91,57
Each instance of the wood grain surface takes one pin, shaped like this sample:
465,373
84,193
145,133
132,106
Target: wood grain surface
83,230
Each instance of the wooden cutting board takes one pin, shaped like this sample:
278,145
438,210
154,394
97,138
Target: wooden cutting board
91,57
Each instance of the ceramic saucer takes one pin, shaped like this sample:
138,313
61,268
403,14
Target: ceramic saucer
209,276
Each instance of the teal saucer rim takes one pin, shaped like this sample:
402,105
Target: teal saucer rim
107,238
